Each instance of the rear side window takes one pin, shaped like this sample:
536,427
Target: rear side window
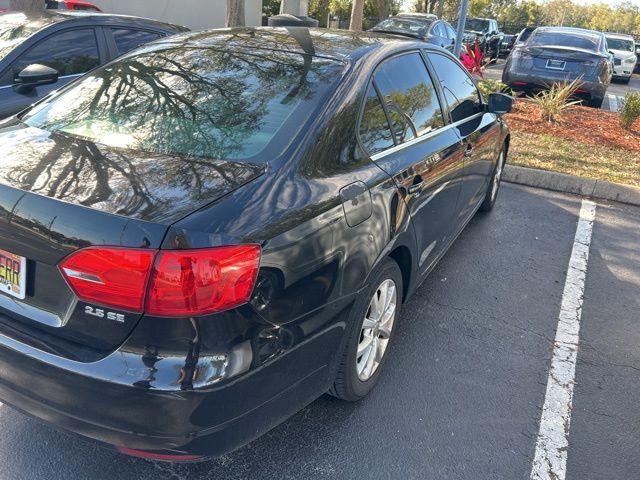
409,95
126,39
70,53
459,90
375,133
439,30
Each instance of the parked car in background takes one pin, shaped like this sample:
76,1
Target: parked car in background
71,5
638,56
508,41
624,56
428,29
43,51
214,230
484,32
523,36
558,54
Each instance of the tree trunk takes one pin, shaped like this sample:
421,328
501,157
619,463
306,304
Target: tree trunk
235,13
383,9
440,8
26,5
356,15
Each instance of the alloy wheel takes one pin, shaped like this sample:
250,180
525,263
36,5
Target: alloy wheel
376,329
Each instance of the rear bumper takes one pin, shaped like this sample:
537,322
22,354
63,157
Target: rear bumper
111,401
533,84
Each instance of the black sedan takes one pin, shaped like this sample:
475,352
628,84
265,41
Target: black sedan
43,51
207,234
561,54
427,28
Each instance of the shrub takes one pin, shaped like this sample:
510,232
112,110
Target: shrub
556,99
629,109
487,86
473,59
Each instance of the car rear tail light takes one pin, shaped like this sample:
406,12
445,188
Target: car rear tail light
519,83
170,283
110,276
195,282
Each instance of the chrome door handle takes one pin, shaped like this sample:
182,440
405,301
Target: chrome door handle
416,188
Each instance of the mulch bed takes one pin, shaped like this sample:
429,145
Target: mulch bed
583,124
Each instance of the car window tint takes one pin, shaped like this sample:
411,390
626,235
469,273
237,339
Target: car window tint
451,33
71,52
375,133
460,91
410,96
127,39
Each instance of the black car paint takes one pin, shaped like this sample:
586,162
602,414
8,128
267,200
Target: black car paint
13,101
323,226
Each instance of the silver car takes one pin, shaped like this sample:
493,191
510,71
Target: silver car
558,54
624,56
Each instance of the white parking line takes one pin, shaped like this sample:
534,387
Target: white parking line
550,460
613,102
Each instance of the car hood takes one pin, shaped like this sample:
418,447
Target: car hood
145,186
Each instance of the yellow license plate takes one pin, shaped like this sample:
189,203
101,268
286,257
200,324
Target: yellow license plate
13,274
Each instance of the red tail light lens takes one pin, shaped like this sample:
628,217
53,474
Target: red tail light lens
196,282
109,276
179,282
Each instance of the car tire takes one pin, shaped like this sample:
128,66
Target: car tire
351,383
494,185
595,102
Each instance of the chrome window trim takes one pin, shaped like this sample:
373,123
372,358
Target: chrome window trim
421,138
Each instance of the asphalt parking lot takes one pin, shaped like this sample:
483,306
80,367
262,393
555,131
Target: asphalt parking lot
462,392
615,92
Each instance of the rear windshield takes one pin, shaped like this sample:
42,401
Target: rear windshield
620,44
14,29
565,39
476,24
403,24
192,101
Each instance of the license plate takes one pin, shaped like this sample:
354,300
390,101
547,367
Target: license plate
13,274
556,64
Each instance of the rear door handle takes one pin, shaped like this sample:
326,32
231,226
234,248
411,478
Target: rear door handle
468,151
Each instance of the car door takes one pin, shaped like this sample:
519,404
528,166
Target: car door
71,52
478,130
426,159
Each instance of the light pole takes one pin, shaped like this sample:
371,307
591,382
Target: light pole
462,18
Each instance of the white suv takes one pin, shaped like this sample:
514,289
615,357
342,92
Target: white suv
624,56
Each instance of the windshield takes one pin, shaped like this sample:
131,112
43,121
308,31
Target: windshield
419,28
191,101
14,29
620,44
565,39
476,24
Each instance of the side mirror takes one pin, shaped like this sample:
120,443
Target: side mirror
500,103
35,75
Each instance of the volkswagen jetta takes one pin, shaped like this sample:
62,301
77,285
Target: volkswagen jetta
207,234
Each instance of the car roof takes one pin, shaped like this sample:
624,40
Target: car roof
47,18
342,45
570,30
622,36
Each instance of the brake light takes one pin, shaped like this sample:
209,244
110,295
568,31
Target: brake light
110,276
159,456
195,282
164,282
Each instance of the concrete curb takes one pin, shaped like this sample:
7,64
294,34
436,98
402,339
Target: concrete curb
561,182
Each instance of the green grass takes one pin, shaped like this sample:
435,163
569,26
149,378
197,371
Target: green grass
547,152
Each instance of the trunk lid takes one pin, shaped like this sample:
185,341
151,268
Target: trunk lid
554,58
59,194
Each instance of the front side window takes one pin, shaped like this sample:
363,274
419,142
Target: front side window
70,53
409,95
193,101
375,133
459,90
126,39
